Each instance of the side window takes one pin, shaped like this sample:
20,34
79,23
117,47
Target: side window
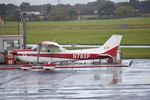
44,49
35,48
54,49
50,49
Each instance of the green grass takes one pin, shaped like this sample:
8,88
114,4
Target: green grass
9,28
130,36
136,53
130,21
84,32
88,32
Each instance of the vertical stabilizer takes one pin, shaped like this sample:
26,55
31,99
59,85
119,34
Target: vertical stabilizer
111,45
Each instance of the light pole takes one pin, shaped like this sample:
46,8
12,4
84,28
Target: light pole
24,29
18,19
21,17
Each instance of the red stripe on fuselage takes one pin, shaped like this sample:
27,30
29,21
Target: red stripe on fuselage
67,56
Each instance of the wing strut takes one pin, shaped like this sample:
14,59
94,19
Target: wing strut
38,55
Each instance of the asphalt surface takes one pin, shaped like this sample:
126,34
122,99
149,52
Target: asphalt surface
131,83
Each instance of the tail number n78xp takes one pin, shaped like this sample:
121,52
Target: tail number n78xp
81,56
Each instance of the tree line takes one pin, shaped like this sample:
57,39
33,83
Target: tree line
100,8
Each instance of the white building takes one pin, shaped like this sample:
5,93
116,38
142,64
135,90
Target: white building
11,42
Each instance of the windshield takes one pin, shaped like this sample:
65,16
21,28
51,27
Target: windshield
48,48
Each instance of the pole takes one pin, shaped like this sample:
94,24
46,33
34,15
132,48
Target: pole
18,20
24,29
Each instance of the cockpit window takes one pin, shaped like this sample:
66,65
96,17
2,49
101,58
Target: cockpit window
44,49
35,48
48,48
54,49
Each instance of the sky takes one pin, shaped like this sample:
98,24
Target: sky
53,2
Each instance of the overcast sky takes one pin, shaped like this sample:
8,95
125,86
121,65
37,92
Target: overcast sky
38,2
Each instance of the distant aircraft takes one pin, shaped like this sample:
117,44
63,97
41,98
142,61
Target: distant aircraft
50,52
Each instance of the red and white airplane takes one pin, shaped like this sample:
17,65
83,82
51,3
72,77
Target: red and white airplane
51,52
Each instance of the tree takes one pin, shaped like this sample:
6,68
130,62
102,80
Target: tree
10,12
58,13
107,9
101,2
25,6
134,3
144,6
48,11
125,11
72,14
2,9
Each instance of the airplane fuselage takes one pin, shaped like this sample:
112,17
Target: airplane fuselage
52,52
72,55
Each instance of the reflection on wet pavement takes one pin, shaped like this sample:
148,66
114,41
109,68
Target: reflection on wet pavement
132,83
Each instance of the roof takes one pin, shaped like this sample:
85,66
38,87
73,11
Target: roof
10,36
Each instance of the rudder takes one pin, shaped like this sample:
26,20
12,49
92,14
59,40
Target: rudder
111,45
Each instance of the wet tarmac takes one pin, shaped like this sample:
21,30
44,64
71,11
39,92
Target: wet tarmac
130,83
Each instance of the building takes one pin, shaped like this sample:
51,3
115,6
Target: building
11,42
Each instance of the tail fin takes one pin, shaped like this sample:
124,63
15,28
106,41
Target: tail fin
111,45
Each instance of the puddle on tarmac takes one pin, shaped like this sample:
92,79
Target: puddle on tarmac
102,83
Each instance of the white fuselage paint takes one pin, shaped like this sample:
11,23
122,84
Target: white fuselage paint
32,59
77,54
59,52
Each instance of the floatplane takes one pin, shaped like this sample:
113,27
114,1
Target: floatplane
50,55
